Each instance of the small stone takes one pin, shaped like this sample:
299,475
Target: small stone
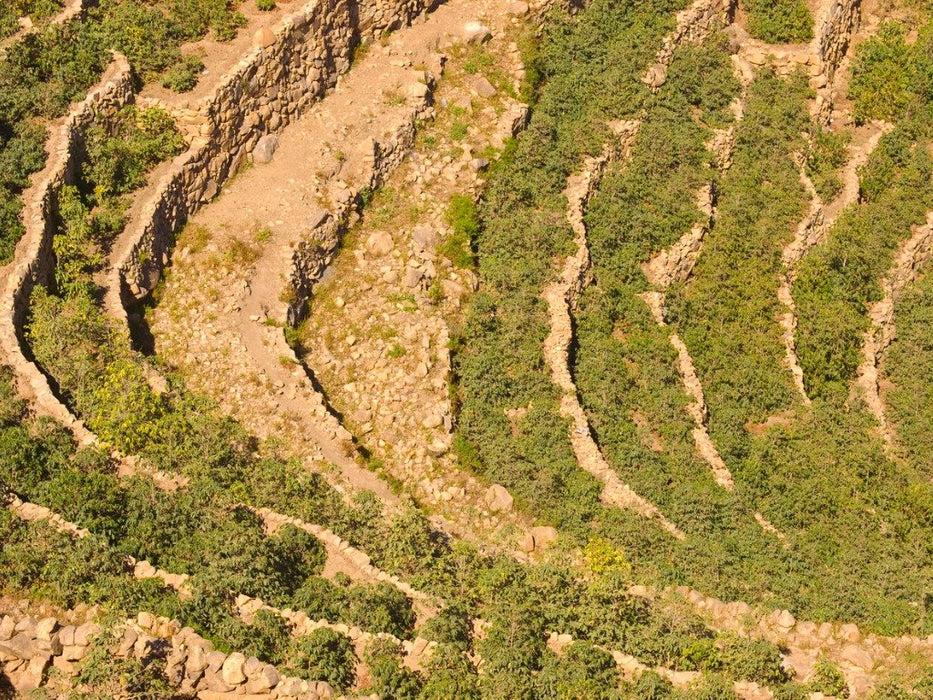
418,90
786,620
539,537
263,38
390,277
85,633
484,88
265,148
126,644
215,683
232,669
849,632
380,243
45,628
20,646
479,164
197,660
215,660
74,652
655,76
7,627
32,677
516,8
424,237
498,498
476,32
438,448
266,680
289,686
412,277
433,421
858,657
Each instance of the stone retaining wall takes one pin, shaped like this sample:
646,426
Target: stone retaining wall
319,246
30,649
290,67
836,29
34,260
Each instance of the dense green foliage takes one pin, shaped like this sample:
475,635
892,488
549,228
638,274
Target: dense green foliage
910,398
892,79
779,21
828,153
840,279
500,365
727,311
35,10
850,527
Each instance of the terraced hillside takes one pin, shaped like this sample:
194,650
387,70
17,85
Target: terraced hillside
466,349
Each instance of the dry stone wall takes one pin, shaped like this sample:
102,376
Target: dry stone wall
312,256
289,68
34,260
30,649
693,25
836,29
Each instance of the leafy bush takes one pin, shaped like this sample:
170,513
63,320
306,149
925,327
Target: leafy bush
325,655
881,81
839,279
582,671
779,21
828,153
183,76
390,679
380,607
828,679
461,216
265,5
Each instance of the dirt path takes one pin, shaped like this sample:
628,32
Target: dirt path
911,256
561,297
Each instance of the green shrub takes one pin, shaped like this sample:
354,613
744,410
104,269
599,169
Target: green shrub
265,5
582,671
325,655
183,76
449,675
779,21
880,85
462,218
828,679
828,153
840,278
390,679
380,607
752,660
